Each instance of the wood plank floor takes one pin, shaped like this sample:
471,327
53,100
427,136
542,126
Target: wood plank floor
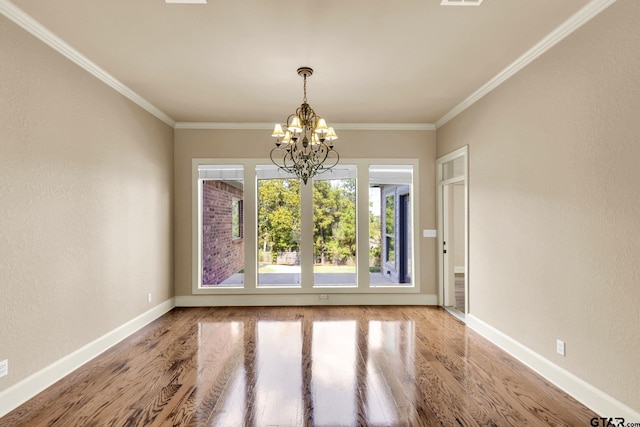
302,366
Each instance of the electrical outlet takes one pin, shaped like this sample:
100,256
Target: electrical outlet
4,368
148,298
324,296
560,347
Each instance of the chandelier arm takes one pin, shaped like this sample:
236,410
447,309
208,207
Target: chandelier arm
273,160
326,151
285,160
326,168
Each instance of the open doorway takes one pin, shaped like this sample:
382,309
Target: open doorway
453,232
453,237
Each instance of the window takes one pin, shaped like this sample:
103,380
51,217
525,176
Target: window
334,227
278,199
349,229
390,235
222,254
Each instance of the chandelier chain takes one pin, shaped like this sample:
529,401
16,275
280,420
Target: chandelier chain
304,99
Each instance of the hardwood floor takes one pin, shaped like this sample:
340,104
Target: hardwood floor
302,366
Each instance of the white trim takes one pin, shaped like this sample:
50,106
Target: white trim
224,126
580,18
303,300
337,126
32,26
455,313
452,180
19,393
590,396
462,151
385,126
440,183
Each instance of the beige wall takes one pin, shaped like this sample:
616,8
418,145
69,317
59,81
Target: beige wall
191,144
85,206
555,203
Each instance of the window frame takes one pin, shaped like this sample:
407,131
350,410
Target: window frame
250,230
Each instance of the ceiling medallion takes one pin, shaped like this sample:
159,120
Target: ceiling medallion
304,144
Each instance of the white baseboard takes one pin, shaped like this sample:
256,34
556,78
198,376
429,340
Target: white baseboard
593,398
19,393
304,299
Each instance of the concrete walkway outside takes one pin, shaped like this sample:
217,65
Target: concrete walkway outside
290,276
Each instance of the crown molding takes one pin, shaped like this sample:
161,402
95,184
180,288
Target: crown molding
224,126
580,18
32,26
337,126
385,126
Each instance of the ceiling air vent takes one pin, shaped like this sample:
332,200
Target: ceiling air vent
460,2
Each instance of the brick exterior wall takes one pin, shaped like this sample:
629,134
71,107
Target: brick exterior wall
222,255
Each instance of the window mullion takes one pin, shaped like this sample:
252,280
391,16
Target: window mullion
306,235
250,218
362,227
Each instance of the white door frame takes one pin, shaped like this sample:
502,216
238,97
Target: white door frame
441,183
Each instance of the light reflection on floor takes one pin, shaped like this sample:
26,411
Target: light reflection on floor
303,372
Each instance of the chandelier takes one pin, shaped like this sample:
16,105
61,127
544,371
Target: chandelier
304,145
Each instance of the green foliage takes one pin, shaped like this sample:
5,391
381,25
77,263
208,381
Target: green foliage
390,213
334,221
375,243
279,215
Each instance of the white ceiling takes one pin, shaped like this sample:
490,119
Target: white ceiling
375,61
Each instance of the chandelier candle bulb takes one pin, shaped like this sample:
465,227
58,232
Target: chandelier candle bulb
300,147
